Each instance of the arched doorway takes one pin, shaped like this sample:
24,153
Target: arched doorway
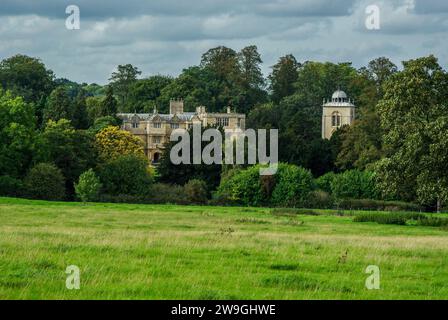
156,157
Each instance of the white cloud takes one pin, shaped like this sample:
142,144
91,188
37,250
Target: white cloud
167,36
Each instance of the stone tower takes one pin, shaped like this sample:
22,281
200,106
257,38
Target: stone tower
338,112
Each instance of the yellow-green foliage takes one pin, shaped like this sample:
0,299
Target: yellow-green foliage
112,142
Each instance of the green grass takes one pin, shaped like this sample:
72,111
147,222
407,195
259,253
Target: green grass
192,252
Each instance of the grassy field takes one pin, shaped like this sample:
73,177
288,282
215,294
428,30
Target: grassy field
180,252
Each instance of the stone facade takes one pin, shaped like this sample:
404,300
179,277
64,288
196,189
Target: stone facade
155,129
336,113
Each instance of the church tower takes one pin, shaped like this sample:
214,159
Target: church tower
338,112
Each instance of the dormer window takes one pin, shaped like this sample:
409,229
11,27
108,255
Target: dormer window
135,120
157,125
174,126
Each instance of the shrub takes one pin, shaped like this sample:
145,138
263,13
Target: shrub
89,186
196,191
320,200
292,187
433,222
293,211
167,193
368,204
242,187
126,175
380,218
398,218
289,187
354,184
123,198
220,199
158,193
268,183
324,182
402,218
45,182
10,187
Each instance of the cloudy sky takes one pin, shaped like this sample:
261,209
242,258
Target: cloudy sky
165,36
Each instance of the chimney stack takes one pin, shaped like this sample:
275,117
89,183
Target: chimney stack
200,110
176,106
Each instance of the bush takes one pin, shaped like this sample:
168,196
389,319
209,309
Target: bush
389,218
324,182
242,187
289,187
220,199
88,187
320,200
292,187
354,184
123,198
126,175
158,193
45,182
10,187
433,222
402,218
196,191
167,193
293,211
368,204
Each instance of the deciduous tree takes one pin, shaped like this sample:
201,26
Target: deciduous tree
71,150
112,143
27,77
122,80
17,134
284,75
45,182
126,175
109,104
59,106
413,117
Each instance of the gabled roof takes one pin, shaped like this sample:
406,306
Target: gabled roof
186,116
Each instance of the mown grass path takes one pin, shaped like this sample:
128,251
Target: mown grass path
192,252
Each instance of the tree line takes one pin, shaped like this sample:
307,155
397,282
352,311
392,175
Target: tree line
399,135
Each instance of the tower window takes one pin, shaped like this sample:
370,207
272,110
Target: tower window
336,119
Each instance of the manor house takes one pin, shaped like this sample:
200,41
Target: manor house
155,129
